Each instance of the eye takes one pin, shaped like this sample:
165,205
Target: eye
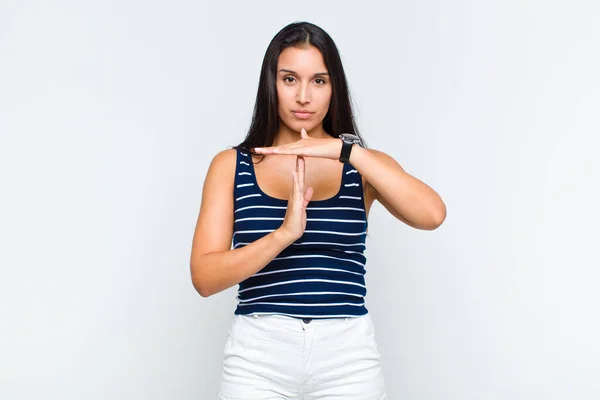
320,81
289,79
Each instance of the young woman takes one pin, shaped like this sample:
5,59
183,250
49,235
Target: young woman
294,198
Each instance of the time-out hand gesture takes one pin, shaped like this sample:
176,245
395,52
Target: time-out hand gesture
294,222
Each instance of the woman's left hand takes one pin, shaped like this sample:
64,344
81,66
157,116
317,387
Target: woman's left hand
307,147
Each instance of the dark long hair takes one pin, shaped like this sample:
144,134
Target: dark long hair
265,120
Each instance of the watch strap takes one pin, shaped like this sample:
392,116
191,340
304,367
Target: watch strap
346,150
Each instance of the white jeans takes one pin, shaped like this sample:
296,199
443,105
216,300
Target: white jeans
280,357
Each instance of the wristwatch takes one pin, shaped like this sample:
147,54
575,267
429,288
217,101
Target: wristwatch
348,140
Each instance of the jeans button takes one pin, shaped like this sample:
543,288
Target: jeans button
306,320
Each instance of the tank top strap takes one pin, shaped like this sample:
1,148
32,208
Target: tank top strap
244,183
352,187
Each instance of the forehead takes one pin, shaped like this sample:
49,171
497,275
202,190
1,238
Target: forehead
305,60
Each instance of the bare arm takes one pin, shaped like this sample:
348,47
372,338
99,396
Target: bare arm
404,196
214,267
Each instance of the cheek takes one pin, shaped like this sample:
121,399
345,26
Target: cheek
325,100
281,101
284,97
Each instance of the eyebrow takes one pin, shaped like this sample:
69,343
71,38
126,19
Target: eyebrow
294,72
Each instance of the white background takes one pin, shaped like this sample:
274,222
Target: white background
111,111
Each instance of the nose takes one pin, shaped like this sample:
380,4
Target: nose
303,94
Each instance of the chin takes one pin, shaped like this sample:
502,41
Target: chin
296,126
308,125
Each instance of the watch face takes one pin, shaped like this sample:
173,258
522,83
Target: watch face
349,137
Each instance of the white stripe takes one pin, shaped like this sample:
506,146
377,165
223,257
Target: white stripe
305,305
249,195
244,154
307,315
326,243
244,173
337,233
244,162
350,197
307,208
308,219
301,280
352,171
249,207
259,231
297,294
245,184
334,243
327,232
351,184
336,220
319,256
306,269
259,219
332,208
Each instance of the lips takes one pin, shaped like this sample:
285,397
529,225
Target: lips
302,114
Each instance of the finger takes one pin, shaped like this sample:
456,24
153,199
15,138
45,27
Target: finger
286,151
294,191
303,134
301,171
294,180
265,150
273,150
307,196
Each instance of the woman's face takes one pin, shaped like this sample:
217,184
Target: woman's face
303,88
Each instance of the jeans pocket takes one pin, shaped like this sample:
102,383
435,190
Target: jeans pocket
369,333
244,374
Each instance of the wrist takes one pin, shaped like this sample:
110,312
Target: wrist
337,149
357,154
348,141
283,238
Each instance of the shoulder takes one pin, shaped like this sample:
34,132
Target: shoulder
222,166
224,160
225,157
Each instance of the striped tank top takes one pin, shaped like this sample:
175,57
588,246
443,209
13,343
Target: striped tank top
320,275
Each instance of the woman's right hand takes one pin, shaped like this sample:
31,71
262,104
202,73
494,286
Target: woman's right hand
294,222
